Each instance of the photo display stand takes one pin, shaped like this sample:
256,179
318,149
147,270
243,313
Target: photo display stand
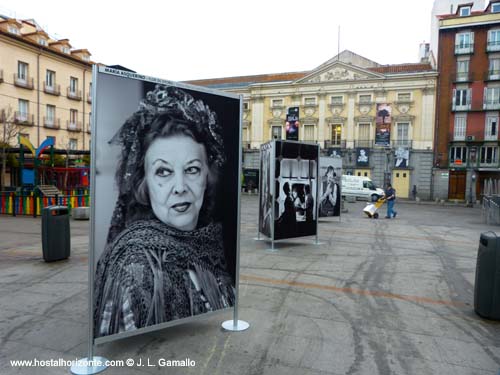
121,102
288,194
330,187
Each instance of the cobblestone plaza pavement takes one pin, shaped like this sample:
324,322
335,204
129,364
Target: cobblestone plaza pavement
376,297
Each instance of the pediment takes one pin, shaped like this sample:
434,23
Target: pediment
338,71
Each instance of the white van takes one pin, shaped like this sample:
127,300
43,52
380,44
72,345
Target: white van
360,187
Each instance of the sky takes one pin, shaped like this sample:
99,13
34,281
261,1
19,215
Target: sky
183,40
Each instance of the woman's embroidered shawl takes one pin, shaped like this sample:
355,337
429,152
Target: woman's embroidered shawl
143,276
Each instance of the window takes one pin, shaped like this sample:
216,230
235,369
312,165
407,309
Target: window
246,136
73,143
365,98
50,78
463,70
493,40
495,7
364,132
337,99
336,138
464,42
65,49
308,132
73,85
494,68
491,130
22,71
50,114
276,132
402,132
23,109
276,102
73,116
461,99
458,153
404,97
489,155
464,11
491,98
310,101
42,42
13,30
245,104
459,129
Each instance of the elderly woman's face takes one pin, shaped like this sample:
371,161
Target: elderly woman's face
176,175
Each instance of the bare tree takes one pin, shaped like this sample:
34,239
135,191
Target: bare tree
9,132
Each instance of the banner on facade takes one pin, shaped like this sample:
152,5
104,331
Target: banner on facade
362,157
295,189
401,157
330,187
292,124
165,202
383,125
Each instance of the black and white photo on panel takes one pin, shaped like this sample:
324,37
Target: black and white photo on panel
295,189
330,171
265,193
170,244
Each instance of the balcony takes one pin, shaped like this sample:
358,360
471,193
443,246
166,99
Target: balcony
491,104
363,144
52,89
335,144
492,75
405,143
74,95
493,46
74,126
51,123
464,48
24,119
25,82
461,106
463,77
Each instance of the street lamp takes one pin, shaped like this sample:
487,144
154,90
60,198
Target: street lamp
473,179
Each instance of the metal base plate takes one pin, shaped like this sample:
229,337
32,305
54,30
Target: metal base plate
229,325
89,367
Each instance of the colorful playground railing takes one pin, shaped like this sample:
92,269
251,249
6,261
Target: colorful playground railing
16,204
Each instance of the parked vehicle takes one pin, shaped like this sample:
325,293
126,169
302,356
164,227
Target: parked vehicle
361,187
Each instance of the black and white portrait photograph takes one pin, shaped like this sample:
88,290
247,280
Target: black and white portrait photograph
167,178
330,170
265,193
362,158
401,156
296,169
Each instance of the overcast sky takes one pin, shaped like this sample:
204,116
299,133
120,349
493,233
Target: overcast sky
182,40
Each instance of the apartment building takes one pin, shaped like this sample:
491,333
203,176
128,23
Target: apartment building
348,104
468,104
45,85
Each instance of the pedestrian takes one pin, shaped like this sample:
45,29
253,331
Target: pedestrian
390,196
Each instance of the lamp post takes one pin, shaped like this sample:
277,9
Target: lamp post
471,198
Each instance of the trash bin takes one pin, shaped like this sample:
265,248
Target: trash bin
55,233
487,285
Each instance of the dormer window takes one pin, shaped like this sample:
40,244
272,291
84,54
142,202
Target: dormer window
464,11
13,30
65,49
495,8
42,42
85,58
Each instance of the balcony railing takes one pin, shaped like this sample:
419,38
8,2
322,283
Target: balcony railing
493,46
52,89
74,126
396,143
335,144
22,118
490,103
492,75
462,77
51,123
74,95
461,49
25,82
461,106
363,143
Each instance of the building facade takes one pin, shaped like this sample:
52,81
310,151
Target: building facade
379,119
466,142
45,86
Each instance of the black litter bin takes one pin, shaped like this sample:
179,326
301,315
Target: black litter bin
55,233
487,285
